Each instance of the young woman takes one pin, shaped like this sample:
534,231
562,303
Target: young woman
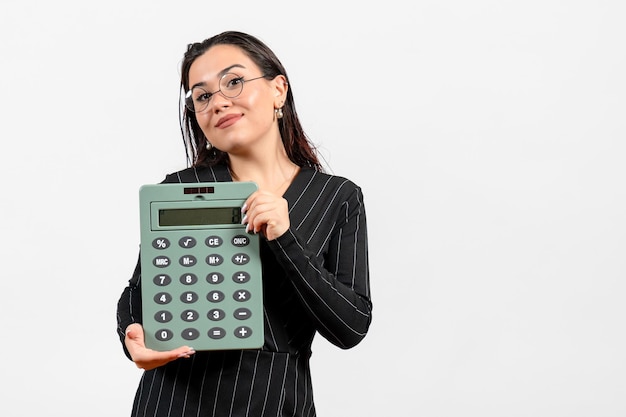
239,123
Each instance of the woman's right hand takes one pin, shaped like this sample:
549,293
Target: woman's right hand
148,359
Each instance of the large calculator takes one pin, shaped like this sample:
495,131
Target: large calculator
200,271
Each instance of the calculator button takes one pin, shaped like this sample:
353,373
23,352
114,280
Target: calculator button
243,332
216,333
240,259
163,316
162,280
241,295
214,259
242,314
189,297
190,334
240,240
241,277
160,243
187,260
188,279
187,242
163,335
213,241
216,314
161,262
215,296
189,315
215,278
162,298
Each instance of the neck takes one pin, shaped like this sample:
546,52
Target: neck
270,174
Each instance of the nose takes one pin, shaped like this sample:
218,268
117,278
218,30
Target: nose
219,102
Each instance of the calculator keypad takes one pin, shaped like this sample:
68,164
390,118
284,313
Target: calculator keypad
204,290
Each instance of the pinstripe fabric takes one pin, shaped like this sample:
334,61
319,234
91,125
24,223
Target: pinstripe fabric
315,280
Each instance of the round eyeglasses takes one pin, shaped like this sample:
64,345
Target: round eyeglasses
231,85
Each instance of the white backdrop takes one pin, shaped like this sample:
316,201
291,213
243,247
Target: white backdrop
489,140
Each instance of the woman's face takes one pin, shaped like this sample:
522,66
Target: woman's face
240,124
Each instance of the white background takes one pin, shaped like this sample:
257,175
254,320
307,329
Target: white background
489,140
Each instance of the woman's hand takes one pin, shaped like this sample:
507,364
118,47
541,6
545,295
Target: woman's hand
146,358
266,213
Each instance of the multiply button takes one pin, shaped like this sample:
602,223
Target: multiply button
241,296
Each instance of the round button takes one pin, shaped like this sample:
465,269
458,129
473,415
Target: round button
186,242
216,314
214,259
190,334
240,259
240,241
213,241
188,279
216,333
161,262
163,335
189,297
242,314
162,298
215,278
187,260
241,277
162,280
189,315
163,316
160,243
241,295
215,296
243,332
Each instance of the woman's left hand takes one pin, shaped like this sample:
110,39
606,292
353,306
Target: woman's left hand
266,213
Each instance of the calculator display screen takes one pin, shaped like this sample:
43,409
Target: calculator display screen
199,216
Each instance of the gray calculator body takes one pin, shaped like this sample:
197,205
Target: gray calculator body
200,271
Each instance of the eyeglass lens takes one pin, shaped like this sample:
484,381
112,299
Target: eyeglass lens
197,99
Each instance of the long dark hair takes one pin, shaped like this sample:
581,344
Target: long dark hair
299,149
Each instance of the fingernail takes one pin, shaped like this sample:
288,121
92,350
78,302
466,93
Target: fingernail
244,208
245,219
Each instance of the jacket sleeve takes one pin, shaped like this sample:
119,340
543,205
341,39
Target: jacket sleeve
334,288
129,306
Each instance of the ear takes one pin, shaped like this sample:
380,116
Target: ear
280,91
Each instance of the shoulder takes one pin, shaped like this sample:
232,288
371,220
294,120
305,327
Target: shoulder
217,173
322,186
321,179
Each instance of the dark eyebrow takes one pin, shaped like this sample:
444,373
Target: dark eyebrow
220,75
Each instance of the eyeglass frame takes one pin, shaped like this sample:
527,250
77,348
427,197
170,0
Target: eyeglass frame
243,81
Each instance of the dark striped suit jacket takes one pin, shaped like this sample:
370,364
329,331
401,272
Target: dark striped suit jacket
315,280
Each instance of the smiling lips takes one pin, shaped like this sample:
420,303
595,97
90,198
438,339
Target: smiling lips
227,120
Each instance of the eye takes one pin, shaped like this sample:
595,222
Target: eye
233,83
201,96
